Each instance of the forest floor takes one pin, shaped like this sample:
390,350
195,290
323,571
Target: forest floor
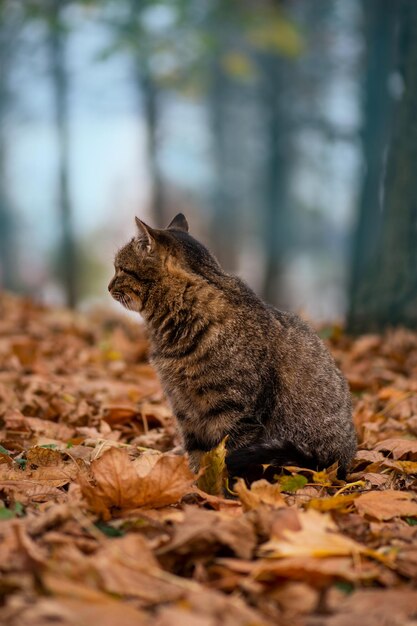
100,523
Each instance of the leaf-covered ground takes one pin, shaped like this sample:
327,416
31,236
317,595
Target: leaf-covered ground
100,523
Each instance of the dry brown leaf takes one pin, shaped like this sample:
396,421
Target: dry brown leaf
368,456
80,604
126,566
44,457
376,607
384,505
17,423
399,448
146,461
119,413
220,609
51,476
315,571
202,529
318,537
260,492
116,483
402,467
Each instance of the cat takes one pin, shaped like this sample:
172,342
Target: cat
230,364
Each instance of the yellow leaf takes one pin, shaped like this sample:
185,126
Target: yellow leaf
238,65
260,492
330,504
213,463
277,34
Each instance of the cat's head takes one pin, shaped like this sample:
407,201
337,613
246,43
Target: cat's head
155,256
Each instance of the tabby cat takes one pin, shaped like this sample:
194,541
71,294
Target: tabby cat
231,364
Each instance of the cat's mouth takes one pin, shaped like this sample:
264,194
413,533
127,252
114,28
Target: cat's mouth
123,298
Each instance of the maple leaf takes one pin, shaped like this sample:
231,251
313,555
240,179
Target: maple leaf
116,483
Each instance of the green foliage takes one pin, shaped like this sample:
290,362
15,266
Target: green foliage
9,513
292,483
109,530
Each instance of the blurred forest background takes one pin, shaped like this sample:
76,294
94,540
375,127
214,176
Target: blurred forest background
286,131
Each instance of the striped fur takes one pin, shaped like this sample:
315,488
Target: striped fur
229,363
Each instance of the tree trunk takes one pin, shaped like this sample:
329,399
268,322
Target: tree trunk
8,262
148,95
384,276
276,214
223,228
60,84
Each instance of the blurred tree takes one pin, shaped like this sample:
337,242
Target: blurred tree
132,35
57,45
52,15
384,276
10,26
251,60
278,159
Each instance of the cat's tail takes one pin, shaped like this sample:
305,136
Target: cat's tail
276,453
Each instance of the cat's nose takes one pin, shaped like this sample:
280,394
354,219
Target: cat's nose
111,283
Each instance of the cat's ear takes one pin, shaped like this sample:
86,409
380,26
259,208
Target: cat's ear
178,223
147,232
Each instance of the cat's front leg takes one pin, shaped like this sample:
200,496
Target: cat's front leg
194,460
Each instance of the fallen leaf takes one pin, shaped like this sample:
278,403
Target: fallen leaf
403,467
115,482
318,537
292,483
399,448
384,505
333,503
214,472
44,457
314,571
79,604
260,492
202,529
51,476
374,607
126,566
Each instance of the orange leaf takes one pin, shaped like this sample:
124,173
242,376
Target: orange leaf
384,505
